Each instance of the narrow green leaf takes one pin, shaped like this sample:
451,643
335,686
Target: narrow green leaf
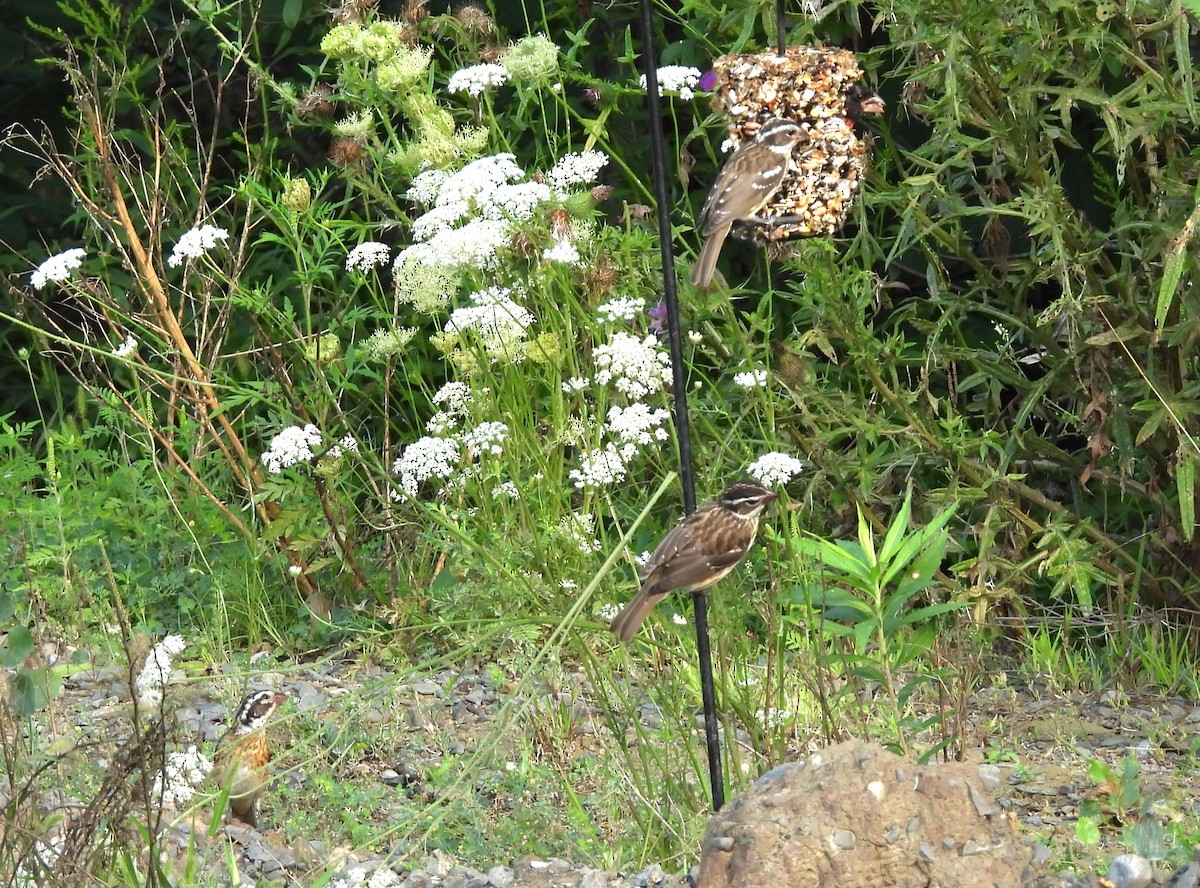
865,540
20,645
897,530
1185,484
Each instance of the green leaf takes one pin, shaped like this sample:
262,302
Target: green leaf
19,646
897,530
291,12
1185,484
1087,830
29,690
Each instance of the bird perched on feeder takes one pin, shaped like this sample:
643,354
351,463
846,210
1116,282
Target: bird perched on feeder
746,184
243,754
702,549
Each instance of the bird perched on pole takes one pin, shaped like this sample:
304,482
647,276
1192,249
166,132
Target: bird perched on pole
746,184
702,549
243,754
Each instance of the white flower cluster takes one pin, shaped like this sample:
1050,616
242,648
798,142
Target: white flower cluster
295,444
425,458
635,367
454,396
775,469
156,672
126,348
623,308
384,343
195,243
677,79
487,437
563,252
182,773
576,168
508,489
357,877
345,445
601,468
637,424
496,320
471,213
475,79
751,378
366,256
57,268
580,528
574,385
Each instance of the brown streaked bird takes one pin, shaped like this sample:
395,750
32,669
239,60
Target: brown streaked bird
746,184
702,549
243,754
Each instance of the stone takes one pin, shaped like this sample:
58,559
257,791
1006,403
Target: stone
1130,871
858,816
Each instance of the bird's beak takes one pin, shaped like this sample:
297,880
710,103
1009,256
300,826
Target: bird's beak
873,104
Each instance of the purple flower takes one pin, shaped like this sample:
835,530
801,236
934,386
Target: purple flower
707,81
658,317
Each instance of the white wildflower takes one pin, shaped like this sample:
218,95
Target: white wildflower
453,396
600,468
575,384
515,201
576,168
182,772
295,444
475,79
440,218
623,308
57,268
345,445
608,612
677,79
426,186
126,348
749,379
498,322
563,252
478,179
366,256
383,343
508,489
487,437
156,671
426,458
473,244
638,423
581,529
195,243
295,570
636,367
775,469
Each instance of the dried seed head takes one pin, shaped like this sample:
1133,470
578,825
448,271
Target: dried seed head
560,224
415,11
523,245
346,152
475,20
317,102
350,11
493,52
600,276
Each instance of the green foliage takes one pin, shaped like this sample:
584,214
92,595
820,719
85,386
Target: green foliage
867,596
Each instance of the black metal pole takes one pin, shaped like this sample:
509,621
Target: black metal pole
687,475
780,27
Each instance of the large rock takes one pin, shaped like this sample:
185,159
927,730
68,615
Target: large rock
858,816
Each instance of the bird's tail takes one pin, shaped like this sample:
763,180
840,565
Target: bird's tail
626,623
706,262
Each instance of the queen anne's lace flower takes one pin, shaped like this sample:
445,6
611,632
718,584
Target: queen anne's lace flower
636,367
498,322
366,256
424,459
453,396
600,468
294,444
775,469
195,243
156,671
576,168
677,79
126,348
477,78
474,244
563,252
751,378
487,437
638,423
57,268
623,308
183,772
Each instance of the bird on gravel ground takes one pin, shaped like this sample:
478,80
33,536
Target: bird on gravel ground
702,549
243,754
